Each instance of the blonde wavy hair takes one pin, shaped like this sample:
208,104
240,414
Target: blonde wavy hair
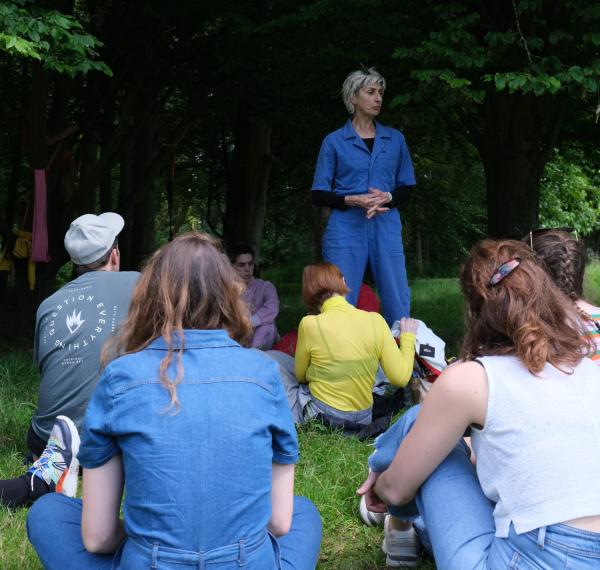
188,283
524,315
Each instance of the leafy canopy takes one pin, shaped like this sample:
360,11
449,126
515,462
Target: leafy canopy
526,46
56,40
570,192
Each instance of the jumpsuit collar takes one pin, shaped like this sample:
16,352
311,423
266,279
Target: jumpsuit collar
382,136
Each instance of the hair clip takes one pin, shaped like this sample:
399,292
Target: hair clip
505,269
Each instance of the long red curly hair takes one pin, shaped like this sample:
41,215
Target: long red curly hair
524,315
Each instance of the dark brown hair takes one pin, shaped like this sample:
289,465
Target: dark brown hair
240,249
523,315
187,284
564,258
319,282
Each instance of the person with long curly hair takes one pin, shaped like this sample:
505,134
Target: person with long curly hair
532,402
193,429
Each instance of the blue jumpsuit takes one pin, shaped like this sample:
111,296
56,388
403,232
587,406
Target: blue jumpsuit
345,166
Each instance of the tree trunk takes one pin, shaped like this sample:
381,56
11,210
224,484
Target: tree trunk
16,152
125,191
61,180
106,182
106,193
88,157
144,211
247,189
38,152
519,134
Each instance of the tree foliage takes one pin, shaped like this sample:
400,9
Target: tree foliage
525,46
482,92
571,193
509,74
57,40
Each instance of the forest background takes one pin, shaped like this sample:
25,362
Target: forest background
210,116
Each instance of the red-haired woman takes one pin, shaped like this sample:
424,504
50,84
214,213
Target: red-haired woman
339,350
532,401
193,428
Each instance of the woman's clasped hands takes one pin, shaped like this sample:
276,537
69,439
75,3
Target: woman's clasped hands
374,202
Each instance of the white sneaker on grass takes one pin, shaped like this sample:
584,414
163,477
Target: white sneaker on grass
400,546
58,465
370,518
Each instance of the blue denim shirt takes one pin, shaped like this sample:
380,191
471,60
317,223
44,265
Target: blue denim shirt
346,166
200,478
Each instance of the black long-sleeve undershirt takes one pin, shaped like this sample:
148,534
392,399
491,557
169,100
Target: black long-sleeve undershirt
327,199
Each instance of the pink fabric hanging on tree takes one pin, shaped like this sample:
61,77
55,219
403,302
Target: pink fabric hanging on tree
39,247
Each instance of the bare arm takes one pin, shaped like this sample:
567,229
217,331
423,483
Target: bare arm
282,499
101,529
398,364
457,399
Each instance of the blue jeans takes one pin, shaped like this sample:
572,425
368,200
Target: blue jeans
459,523
54,529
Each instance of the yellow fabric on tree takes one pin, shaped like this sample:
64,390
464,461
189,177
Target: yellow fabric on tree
338,352
5,264
22,250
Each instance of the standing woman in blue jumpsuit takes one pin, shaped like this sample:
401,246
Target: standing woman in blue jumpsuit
364,173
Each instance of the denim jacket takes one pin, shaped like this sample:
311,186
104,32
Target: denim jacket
197,479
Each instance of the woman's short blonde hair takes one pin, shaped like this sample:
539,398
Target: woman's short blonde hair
355,81
319,282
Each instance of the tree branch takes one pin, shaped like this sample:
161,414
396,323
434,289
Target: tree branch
523,39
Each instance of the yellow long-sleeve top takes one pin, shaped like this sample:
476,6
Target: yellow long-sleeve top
338,352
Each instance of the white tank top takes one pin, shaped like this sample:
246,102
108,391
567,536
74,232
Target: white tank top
538,455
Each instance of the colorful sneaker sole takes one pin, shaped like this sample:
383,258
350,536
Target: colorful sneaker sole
67,484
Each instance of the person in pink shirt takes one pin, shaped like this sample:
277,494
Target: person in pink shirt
260,296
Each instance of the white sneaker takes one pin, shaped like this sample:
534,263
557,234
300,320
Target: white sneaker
58,465
400,546
370,518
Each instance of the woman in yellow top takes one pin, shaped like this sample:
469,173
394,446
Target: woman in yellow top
339,350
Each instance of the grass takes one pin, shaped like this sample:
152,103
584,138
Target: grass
591,284
18,392
331,465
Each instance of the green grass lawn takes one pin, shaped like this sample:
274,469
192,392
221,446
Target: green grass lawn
591,285
331,465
